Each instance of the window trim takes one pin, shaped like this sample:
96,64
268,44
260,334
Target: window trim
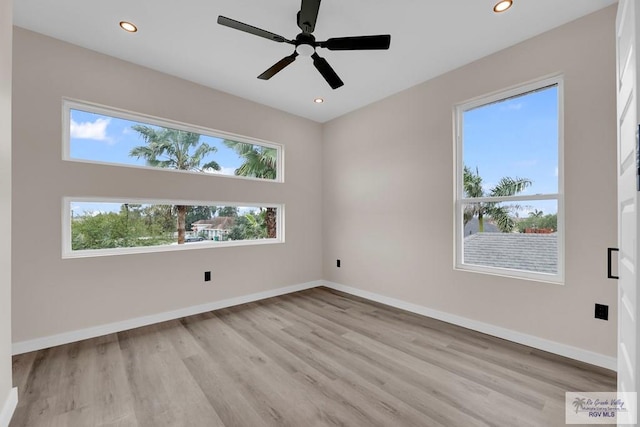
69,104
458,196
68,253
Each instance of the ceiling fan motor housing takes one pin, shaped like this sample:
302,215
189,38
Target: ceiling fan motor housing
305,44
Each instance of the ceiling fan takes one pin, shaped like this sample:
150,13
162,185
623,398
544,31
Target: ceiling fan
305,43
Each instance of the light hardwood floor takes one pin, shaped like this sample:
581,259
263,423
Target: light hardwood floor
313,358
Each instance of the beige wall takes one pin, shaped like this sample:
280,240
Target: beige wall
52,295
384,173
5,199
388,192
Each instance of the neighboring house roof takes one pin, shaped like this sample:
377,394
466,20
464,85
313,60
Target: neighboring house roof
219,222
530,252
471,227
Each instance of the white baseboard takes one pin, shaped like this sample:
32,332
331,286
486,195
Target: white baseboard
576,353
82,334
9,407
571,352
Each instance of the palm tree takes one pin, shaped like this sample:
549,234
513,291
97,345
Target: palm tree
507,186
579,403
174,149
259,162
536,214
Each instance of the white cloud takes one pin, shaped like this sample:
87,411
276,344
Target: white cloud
510,106
90,130
222,171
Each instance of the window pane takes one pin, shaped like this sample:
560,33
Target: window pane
100,225
103,138
522,236
514,138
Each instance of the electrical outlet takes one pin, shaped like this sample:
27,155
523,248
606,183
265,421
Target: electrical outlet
602,312
207,276
338,263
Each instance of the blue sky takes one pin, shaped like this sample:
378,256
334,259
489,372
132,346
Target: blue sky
517,137
108,139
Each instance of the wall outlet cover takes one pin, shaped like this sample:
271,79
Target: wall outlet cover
602,312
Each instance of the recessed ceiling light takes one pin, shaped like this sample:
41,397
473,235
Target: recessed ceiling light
128,26
318,100
502,5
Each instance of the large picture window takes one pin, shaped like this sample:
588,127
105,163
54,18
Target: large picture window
509,199
94,227
104,135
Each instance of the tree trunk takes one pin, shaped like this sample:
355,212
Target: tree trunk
182,215
271,221
480,223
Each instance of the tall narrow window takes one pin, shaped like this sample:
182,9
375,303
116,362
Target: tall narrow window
509,202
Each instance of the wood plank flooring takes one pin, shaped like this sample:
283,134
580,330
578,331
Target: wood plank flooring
313,358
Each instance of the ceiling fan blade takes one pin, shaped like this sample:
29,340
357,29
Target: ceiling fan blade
237,25
308,15
327,72
278,66
358,43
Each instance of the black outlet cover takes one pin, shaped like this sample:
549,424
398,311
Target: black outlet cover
338,263
207,276
602,312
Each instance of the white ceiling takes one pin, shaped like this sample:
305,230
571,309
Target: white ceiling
428,38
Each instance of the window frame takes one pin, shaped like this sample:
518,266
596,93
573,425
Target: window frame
459,199
69,104
69,253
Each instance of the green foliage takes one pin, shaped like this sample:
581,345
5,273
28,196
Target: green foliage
160,218
259,161
500,214
237,231
250,226
173,149
228,211
152,225
538,221
128,228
